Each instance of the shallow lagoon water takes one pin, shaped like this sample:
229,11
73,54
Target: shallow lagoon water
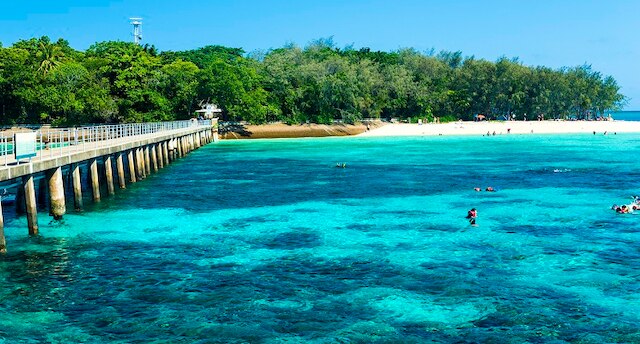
268,242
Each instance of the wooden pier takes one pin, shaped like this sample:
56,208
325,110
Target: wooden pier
136,150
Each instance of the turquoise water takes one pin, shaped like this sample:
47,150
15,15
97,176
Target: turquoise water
268,242
626,115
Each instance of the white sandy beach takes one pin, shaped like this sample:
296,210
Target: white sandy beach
512,127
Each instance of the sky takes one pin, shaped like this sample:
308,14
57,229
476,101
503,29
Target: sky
553,33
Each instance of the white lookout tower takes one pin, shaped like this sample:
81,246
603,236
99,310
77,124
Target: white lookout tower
137,29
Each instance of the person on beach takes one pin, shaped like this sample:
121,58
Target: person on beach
471,216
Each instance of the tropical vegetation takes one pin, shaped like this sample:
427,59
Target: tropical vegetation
42,81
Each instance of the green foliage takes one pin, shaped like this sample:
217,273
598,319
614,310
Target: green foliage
45,81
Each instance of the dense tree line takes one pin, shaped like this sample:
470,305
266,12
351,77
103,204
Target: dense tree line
111,82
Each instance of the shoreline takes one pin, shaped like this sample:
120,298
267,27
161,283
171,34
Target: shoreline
380,129
509,127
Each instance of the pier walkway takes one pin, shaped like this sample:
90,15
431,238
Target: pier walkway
65,154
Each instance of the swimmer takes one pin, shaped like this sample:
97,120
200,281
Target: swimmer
490,189
472,215
477,189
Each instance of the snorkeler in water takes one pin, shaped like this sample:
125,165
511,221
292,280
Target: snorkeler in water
472,215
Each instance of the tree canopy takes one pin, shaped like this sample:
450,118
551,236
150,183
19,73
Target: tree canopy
113,82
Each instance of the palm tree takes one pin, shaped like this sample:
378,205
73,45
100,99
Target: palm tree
50,56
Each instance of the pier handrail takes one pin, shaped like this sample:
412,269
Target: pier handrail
58,142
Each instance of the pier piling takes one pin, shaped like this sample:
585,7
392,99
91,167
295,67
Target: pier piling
139,164
132,166
165,153
120,167
77,187
56,194
147,161
95,182
30,204
159,155
108,173
154,158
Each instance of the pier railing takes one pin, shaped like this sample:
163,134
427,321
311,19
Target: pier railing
58,142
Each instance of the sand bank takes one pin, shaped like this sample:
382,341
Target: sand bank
512,127
281,130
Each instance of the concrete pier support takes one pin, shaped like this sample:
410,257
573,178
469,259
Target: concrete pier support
179,147
95,182
120,167
147,161
171,150
30,202
3,241
108,173
57,203
154,158
77,187
140,164
165,149
159,152
132,167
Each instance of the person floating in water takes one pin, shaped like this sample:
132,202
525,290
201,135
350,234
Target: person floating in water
477,189
490,189
472,215
341,165
623,209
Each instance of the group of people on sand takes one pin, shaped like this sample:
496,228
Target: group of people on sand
627,208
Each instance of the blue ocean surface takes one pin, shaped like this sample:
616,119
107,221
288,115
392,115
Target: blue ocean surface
267,241
626,115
